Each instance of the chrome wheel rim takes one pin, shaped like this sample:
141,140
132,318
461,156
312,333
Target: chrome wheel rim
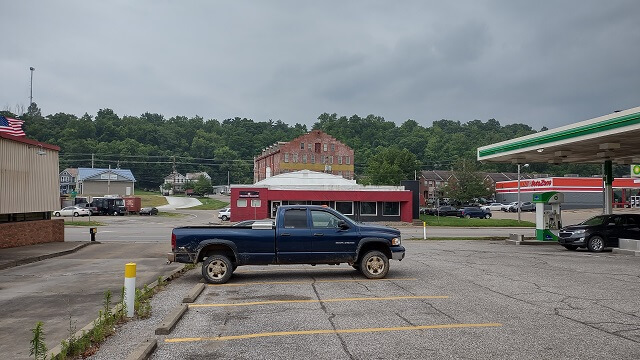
375,265
597,244
216,269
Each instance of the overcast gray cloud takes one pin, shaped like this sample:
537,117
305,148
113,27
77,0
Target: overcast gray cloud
542,63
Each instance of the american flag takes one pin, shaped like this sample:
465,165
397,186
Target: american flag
11,126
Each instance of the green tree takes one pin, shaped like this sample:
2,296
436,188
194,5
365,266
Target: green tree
467,184
202,185
391,165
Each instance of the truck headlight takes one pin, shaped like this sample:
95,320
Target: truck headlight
396,241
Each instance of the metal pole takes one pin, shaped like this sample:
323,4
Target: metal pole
518,193
31,86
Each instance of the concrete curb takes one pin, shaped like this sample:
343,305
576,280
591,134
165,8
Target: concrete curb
85,330
171,320
530,242
144,350
625,251
193,294
33,259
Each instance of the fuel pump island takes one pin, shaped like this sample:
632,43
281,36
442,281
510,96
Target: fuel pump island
548,222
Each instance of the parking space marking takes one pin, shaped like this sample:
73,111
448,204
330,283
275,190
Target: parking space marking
320,332
309,282
270,302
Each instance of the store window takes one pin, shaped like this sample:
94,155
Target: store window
391,209
241,203
368,208
256,203
345,207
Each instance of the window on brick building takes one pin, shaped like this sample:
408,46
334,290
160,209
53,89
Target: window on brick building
313,158
348,159
301,146
340,160
318,147
333,147
304,158
331,159
286,157
324,147
295,158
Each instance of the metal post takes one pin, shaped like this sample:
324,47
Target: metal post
129,287
31,86
518,205
608,188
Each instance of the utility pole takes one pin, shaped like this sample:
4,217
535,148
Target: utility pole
174,174
92,159
109,180
31,86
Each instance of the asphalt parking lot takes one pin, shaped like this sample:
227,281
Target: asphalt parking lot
447,299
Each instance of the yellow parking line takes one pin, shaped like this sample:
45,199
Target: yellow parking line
269,302
316,332
307,282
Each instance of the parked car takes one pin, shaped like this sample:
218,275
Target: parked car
600,231
148,211
496,206
72,211
92,209
474,212
225,214
506,206
525,206
444,210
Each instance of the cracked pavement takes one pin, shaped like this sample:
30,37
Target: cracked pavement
550,303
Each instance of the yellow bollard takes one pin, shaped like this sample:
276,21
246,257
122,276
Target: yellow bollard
130,287
424,230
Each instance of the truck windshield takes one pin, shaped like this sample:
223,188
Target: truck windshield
596,220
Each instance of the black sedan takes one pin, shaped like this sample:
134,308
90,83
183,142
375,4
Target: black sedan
600,231
444,210
148,211
474,212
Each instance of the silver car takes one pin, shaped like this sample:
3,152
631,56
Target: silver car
72,211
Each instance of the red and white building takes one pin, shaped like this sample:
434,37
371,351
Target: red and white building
359,202
579,192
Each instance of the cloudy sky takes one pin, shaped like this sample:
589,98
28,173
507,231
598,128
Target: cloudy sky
542,63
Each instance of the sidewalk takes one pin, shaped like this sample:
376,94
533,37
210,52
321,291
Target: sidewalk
63,285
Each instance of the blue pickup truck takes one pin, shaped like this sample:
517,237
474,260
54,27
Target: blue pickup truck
301,235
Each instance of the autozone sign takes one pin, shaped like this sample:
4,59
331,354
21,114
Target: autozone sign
536,183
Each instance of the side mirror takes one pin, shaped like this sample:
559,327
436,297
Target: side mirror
343,225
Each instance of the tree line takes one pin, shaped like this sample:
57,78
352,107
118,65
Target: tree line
385,153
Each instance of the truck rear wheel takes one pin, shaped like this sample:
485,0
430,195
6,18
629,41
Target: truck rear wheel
217,269
374,265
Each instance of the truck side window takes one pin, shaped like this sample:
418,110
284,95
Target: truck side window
322,219
295,219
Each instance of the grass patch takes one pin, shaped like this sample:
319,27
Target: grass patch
82,223
209,204
170,214
462,222
152,199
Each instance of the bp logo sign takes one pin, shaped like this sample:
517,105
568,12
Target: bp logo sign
635,170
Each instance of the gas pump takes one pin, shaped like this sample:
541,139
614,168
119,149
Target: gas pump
548,222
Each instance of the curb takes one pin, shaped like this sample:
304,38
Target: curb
530,242
171,320
193,294
33,259
53,353
144,350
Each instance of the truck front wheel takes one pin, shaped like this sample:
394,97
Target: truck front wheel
217,269
374,265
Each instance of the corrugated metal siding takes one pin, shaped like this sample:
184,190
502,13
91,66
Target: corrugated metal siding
28,182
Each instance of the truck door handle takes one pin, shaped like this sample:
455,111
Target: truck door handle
318,234
285,234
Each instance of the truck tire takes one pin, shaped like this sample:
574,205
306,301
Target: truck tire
374,265
217,269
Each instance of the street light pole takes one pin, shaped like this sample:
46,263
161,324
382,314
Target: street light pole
31,86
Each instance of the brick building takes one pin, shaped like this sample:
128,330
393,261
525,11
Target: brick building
315,151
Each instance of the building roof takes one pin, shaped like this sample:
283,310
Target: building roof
170,176
24,140
196,175
72,171
437,175
85,173
610,137
313,180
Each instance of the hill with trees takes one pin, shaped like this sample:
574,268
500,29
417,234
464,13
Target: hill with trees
385,153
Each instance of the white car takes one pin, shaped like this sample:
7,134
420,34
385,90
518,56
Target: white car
508,206
225,214
492,207
72,211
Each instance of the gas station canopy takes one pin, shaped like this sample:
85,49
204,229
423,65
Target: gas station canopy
614,137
